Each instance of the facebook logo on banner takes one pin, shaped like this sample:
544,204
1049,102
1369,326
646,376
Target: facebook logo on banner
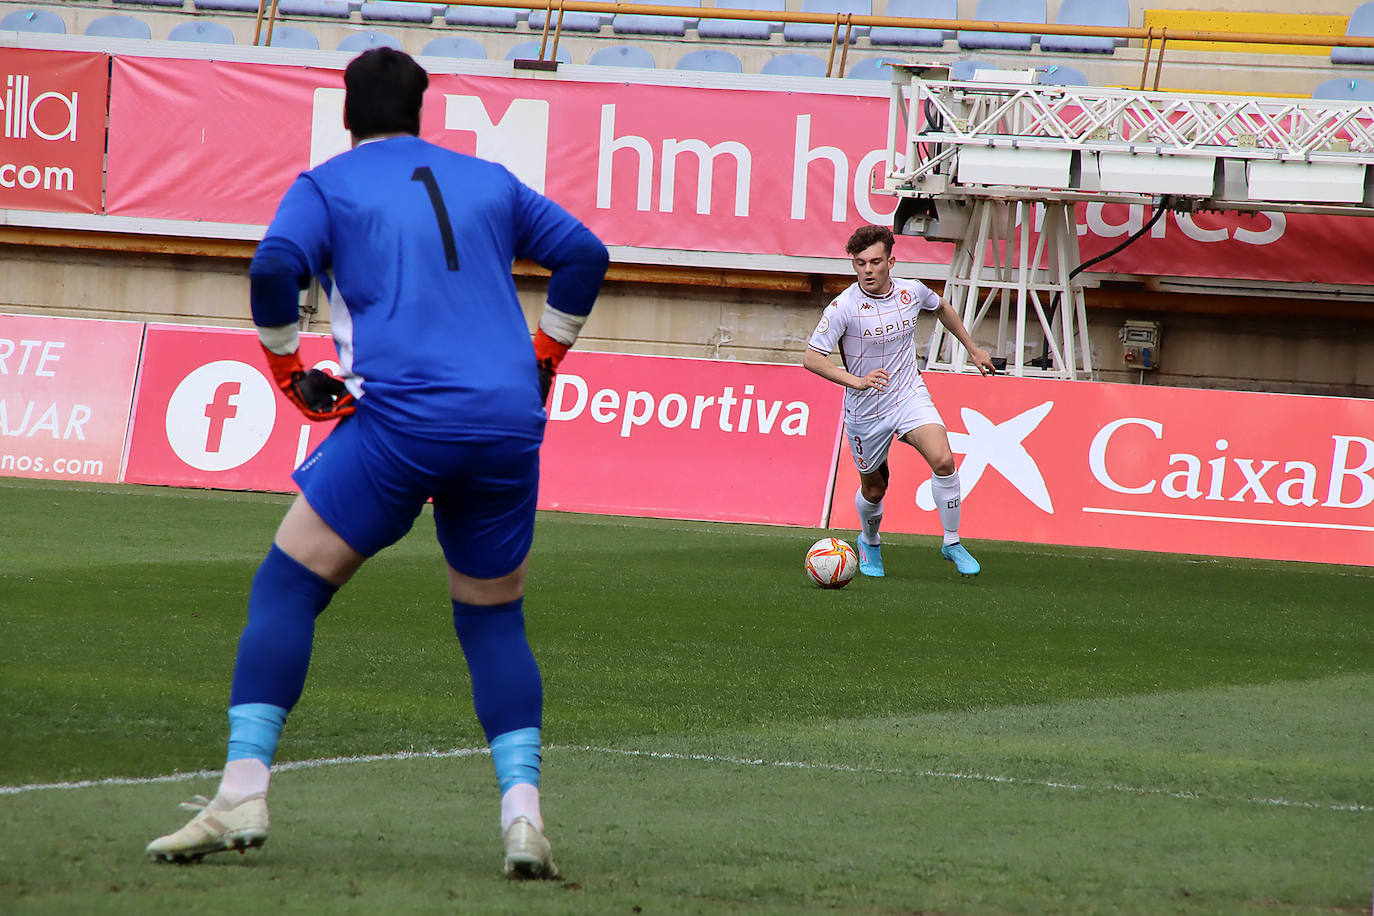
519,140
220,415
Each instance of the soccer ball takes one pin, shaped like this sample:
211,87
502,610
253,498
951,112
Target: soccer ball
831,563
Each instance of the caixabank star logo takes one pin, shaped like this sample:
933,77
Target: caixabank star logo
997,446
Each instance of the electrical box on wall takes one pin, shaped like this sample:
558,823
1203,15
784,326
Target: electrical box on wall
1140,344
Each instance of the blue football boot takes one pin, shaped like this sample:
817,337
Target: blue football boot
962,559
870,559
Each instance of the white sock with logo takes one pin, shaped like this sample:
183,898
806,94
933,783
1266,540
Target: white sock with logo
870,517
946,493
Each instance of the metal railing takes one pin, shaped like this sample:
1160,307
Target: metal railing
844,23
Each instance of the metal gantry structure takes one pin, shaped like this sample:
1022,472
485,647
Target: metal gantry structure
996,165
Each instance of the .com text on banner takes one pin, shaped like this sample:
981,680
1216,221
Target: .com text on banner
53,149
1220,473
65,389
208,413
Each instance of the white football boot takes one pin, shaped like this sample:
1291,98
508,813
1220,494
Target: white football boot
217,827
528,854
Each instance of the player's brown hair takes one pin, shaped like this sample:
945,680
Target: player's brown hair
866,236
383,90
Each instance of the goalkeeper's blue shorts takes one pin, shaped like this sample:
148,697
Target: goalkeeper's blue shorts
369,483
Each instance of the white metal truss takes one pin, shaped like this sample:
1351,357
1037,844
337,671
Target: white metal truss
975,157
934,121
995,265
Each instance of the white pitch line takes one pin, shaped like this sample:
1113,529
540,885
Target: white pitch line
982,777
276,768
706,758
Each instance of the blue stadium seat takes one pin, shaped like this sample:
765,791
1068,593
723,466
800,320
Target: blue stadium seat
290,36
635,24
1361,25
331,9
365,41
1060,75
237,6
622,56
34,21
572,21
529,50
495,17
117,26
1345,90
455,46
211,33
396,11
915,9
794,65
742,28
963,70
706,59
1110,13
811,31
1004,11
874,68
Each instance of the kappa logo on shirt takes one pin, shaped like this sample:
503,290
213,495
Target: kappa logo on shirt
866,305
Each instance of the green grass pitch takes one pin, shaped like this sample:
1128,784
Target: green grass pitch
1074,731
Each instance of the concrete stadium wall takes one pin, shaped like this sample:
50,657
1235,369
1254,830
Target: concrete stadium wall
1280,345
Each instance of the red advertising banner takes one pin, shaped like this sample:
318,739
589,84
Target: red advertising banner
632,435
1144,468
207,413
645,166
66,385
752,171
53,149
689,438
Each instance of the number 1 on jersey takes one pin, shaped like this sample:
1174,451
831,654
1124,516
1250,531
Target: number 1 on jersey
426,177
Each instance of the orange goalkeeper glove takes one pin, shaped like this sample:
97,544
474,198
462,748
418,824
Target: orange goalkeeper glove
318,395
548,353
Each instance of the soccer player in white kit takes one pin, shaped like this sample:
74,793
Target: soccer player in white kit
873,323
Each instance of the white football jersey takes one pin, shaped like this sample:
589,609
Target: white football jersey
876,332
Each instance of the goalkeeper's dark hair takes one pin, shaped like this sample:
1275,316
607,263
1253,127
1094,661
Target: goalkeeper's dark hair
383,91
867,236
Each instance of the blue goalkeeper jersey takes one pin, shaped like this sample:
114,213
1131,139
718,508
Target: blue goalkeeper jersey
415,244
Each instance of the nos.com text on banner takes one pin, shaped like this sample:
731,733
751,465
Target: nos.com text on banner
66,385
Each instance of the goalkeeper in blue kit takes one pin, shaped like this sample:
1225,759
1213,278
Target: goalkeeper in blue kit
441,396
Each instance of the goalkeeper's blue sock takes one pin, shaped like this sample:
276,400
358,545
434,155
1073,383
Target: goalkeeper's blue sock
516,756
254,730
274,649
507,691
506,688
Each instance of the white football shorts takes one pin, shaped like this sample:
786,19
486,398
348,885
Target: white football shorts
870,437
